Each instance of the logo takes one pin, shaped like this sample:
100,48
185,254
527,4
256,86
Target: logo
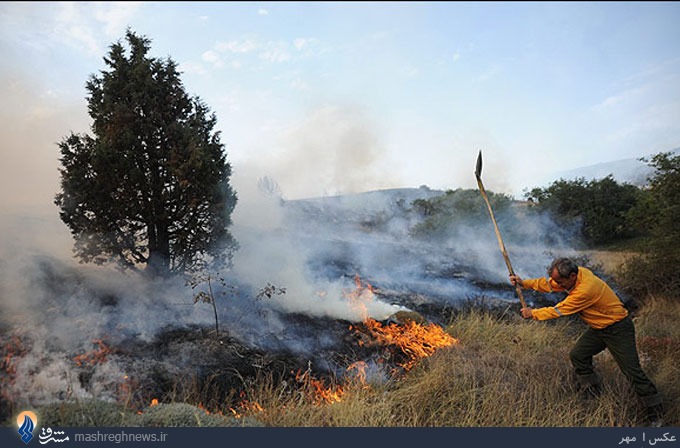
47,435
26,422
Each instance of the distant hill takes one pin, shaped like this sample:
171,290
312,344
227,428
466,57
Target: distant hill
632,171
353,208
373,200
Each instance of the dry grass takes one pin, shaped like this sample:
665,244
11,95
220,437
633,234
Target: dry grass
504,373
610,261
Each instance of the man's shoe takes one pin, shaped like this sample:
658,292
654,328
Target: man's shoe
654,416
591,392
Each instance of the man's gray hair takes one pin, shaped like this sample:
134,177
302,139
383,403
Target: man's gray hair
565,267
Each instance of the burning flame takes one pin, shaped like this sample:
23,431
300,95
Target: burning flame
96,356
358,370
415,340
246,406
360,296
14,348
317,391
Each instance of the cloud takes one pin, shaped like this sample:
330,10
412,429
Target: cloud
308,46
275,52
621,99
72,27
116,16
192,67
298,84
646,108
300,43
86,27
411,71
270,51
78,26
490,73
213,58
246,45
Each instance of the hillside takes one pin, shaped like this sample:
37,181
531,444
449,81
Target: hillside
632,171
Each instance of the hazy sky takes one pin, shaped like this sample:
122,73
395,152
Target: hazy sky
339,97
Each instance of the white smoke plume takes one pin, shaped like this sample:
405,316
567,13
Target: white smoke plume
333,150
271,253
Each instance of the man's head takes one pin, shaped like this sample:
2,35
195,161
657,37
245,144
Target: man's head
564,272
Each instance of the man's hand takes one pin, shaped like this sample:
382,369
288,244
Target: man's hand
516,280
527,313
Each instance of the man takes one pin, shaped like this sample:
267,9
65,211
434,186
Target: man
610,327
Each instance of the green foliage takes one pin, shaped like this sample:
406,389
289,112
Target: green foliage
151,187
85,413
185,415
655,270
443,214
598,208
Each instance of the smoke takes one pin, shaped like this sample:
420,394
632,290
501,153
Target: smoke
333,150
272,252
57,309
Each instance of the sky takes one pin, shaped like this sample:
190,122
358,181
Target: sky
331,98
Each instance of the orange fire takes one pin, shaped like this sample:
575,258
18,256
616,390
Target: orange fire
360,296
246,406
203,408
416,341
98,355
154,402
11,351
317,391
13,348
358,371
127,388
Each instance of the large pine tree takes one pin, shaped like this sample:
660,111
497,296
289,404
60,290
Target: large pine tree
150,189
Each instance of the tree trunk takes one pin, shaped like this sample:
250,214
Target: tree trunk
159,250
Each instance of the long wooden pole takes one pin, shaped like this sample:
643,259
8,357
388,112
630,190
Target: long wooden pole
478,175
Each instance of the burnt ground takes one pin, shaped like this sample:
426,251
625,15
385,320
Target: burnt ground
192,364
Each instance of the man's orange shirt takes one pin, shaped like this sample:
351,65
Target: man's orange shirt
595,302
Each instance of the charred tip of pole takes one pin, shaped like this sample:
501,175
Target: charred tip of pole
478,169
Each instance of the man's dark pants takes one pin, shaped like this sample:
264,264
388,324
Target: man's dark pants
619,338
